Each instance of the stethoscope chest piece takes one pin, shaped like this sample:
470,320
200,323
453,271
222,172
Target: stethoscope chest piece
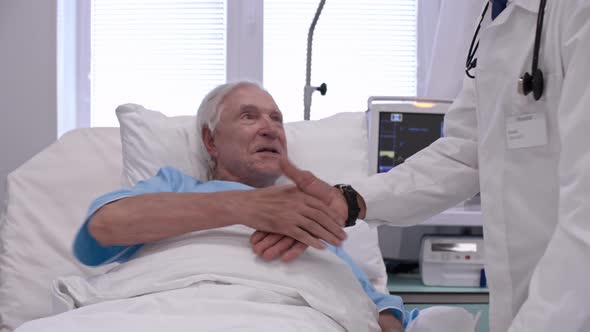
532,83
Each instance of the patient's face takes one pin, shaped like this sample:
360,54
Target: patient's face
249,139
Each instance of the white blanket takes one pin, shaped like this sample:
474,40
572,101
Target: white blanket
211,281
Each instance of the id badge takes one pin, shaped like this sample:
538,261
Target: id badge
526,130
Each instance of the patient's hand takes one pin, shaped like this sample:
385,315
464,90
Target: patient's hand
271,245
389,323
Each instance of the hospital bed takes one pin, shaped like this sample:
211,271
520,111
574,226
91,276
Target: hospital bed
48,197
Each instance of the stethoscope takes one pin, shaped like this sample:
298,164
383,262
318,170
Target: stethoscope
527,83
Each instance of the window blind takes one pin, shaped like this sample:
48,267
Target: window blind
165,55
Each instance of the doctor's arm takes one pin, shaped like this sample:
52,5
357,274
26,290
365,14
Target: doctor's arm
559,288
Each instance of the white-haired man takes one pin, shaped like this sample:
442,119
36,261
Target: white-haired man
242,131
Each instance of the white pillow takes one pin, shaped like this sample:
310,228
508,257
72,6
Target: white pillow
150,140
47,200
334,149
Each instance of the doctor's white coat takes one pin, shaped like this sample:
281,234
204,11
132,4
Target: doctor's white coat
535,200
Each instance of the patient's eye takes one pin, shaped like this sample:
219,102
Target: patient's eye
277,117
249,115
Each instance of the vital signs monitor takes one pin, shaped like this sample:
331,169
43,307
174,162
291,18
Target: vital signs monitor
399,127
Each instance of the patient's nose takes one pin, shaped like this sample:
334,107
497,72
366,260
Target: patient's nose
269,129
269,132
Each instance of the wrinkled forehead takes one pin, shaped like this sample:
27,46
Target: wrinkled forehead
247,96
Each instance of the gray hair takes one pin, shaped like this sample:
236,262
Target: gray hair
209,114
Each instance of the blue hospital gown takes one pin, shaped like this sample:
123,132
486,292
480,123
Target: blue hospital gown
88,251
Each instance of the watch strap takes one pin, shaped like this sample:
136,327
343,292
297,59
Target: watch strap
350,195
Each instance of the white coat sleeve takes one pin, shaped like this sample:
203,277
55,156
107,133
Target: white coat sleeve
559,290
434,179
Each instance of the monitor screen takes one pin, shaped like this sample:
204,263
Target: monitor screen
403,134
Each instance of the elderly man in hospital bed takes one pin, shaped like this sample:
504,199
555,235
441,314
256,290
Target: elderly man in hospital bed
184,245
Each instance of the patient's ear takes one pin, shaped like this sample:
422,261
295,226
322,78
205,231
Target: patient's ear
209,142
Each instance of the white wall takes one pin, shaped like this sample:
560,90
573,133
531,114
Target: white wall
28,102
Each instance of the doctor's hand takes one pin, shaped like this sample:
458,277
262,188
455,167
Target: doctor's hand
315,187
286,210
270,245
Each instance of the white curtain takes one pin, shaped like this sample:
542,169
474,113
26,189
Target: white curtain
445,30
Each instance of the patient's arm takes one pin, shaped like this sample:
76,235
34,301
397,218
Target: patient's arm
157,209
389,323
155,216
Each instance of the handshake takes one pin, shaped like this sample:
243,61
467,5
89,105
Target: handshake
290,218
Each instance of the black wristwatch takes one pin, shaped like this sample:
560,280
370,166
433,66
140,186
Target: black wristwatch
351,200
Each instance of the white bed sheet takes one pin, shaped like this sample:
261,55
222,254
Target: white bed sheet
204,307
226,279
